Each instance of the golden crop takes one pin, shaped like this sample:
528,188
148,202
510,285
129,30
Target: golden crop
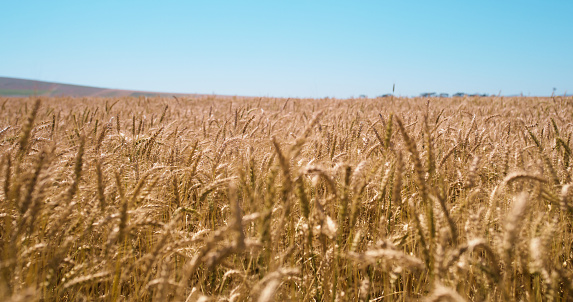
239,199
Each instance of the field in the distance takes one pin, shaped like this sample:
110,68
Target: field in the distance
13,87
239,199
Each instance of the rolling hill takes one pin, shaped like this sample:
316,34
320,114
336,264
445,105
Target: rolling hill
14,87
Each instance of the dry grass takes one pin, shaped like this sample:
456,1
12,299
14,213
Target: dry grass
233,199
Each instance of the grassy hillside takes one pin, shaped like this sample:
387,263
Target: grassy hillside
22,88
240,199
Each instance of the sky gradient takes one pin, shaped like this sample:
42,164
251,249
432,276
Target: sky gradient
293,48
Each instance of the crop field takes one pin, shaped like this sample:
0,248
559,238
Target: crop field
262,199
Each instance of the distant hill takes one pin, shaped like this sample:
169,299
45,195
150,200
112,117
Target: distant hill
22,88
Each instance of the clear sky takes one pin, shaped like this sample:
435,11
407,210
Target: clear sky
293,48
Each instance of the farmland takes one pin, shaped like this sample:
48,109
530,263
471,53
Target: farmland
238,199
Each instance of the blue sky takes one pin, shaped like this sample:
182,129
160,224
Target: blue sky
293,48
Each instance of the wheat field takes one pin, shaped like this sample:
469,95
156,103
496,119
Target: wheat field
263,199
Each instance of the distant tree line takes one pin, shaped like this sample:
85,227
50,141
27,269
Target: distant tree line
445,95
434,94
